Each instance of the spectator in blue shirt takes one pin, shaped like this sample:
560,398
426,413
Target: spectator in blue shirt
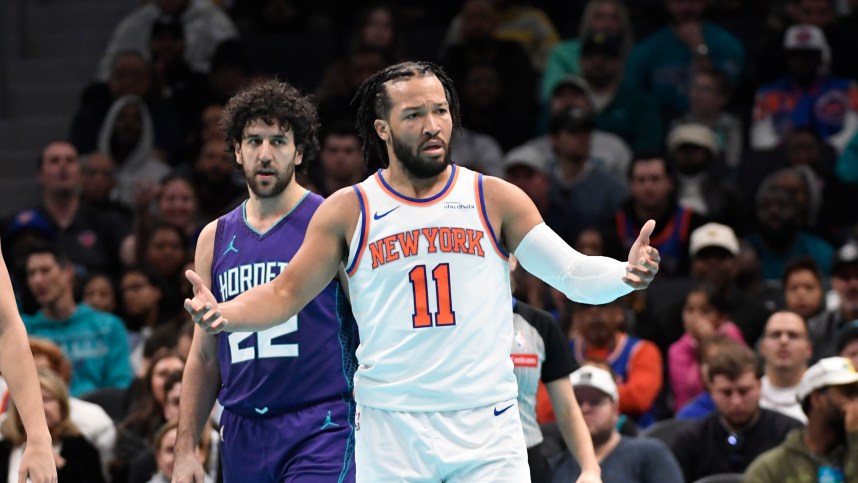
95,342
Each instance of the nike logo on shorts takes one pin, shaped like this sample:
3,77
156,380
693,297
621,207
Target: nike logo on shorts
498,413
376,216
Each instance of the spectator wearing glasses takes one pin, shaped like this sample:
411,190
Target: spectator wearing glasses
786,350
729,439
828,449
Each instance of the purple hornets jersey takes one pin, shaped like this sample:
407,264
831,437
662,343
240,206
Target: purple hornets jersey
306,359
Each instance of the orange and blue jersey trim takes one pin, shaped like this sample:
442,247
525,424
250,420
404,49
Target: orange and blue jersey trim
484,216
364,229
418,201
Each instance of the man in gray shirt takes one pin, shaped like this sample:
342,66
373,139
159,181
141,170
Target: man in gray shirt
630,460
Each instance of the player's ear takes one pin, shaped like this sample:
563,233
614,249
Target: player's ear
382,129
237,152
299,156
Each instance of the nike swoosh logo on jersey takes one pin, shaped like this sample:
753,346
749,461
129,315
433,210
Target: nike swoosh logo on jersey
376,216
498,413
262,410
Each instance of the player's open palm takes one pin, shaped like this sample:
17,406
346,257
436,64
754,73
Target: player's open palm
643,259
187,468
38,465
203,307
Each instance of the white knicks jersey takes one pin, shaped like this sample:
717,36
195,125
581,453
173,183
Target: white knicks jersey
430,291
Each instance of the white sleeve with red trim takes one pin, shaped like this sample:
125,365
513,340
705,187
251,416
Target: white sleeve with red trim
582,278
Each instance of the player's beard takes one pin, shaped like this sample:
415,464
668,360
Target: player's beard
416,164
271,189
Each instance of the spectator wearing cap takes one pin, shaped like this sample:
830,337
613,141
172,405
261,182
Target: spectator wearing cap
26,229
581,191
807,96
729,439
542,361
622,458
825,327
621,108
608,17
652,185
608,150
527,167
204,24
715,252
708,94
786,351
779,236
662,63
700,186
827,450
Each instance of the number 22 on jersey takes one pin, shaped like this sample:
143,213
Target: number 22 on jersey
444,315
265,346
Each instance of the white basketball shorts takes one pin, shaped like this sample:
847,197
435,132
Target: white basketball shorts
484,444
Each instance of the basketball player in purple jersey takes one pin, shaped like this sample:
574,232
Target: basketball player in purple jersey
426,246
286,390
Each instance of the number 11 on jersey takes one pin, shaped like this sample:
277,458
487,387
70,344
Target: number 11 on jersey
443,296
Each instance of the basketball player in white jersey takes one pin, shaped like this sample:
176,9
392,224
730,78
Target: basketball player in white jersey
425,244
16,363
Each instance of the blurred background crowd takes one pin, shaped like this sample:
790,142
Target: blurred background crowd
733,124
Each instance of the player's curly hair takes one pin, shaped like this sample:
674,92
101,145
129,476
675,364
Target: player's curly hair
374,102
273,101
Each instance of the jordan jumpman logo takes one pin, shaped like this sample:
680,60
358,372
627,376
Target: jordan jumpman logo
328,422
231,247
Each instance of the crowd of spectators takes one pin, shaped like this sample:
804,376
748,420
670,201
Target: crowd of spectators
733,124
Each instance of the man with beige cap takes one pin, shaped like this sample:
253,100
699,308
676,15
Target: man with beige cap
630,460
827,450
695,153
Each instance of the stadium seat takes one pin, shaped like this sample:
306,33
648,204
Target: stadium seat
722,478
665,430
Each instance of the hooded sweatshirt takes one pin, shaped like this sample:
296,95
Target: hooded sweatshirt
141,165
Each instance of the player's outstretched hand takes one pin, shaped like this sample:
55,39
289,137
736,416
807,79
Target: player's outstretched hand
643,259
589,477
203,307
38,464
187,468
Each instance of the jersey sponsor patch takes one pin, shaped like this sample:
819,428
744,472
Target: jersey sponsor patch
525,360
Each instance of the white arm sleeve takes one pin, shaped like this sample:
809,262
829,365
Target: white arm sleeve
586,279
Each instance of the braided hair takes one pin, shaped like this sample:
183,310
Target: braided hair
374,102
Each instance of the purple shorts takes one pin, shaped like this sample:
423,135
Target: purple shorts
314,444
